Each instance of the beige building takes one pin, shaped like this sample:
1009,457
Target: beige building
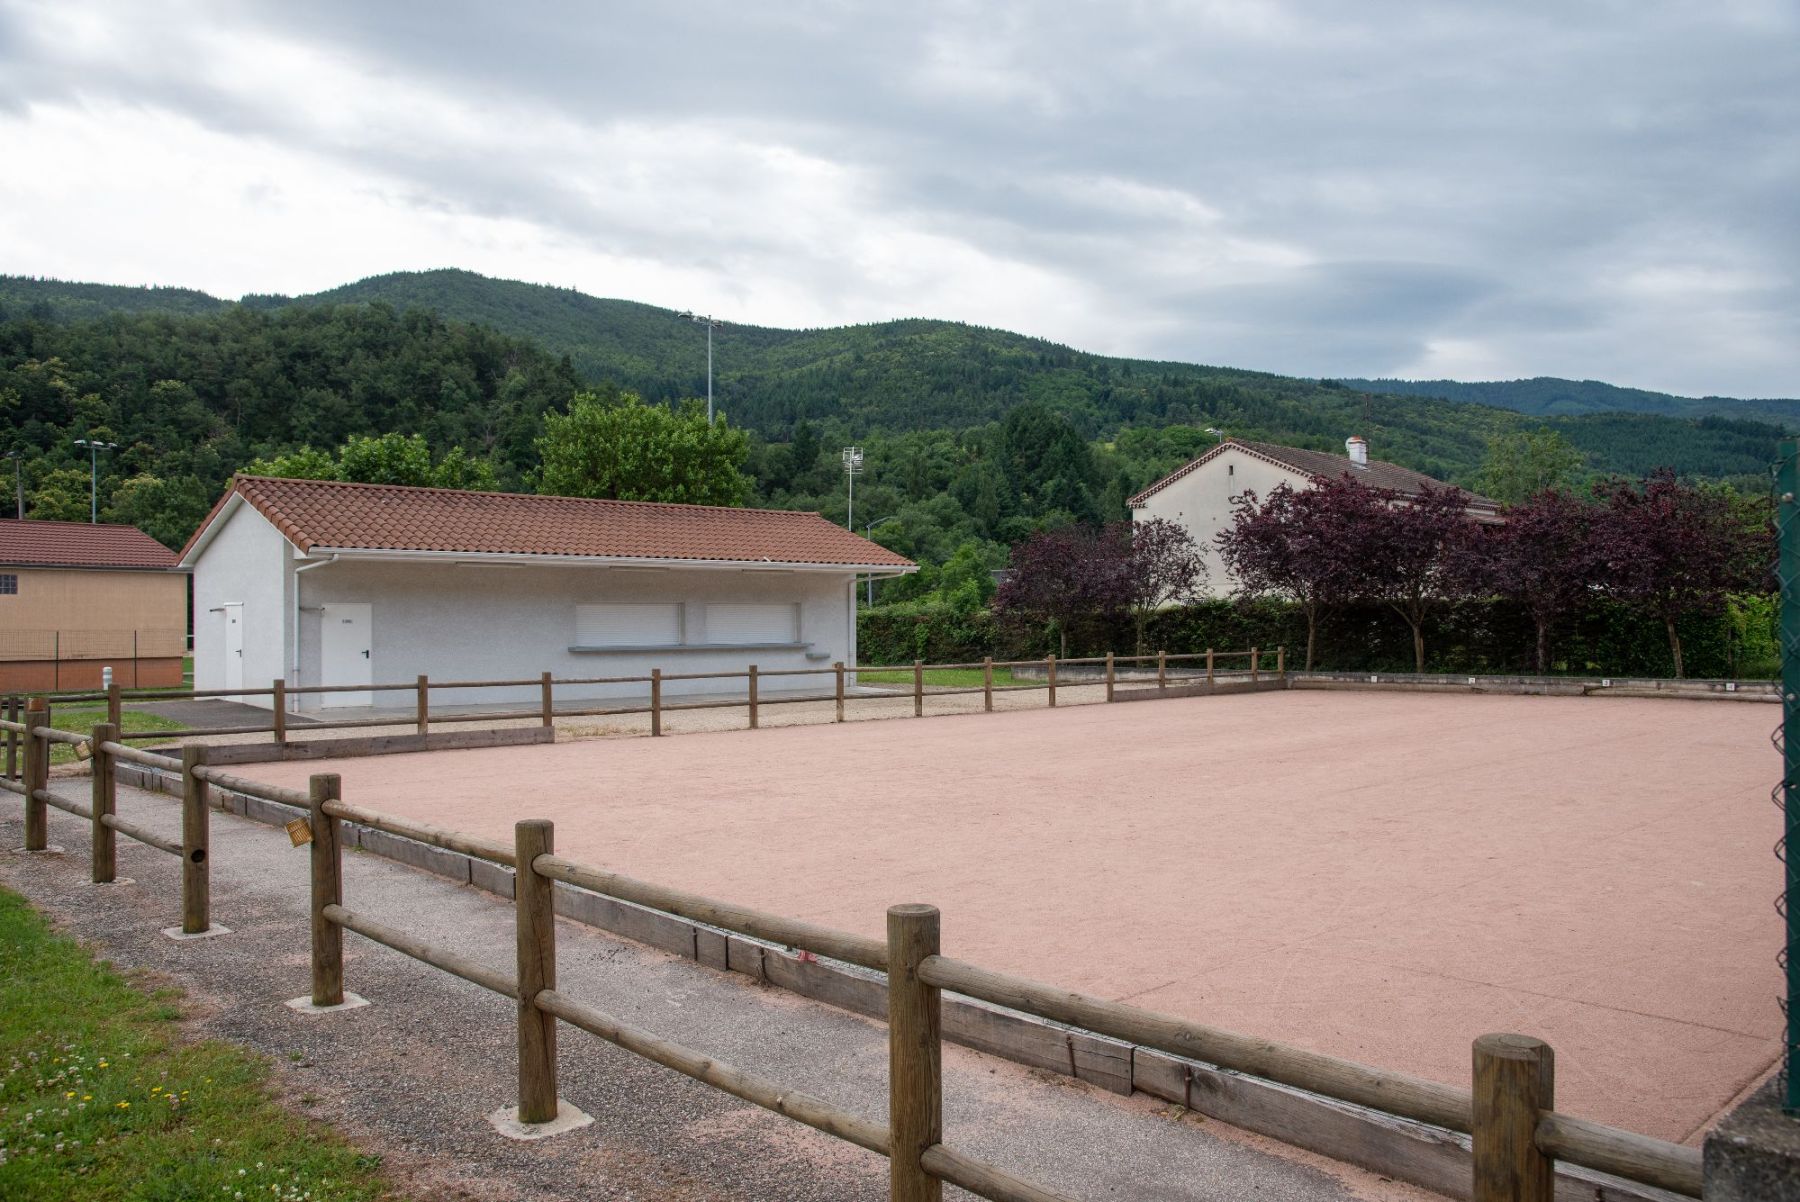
1198,496
77,598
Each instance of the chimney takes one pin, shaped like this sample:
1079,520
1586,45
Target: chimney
1359,451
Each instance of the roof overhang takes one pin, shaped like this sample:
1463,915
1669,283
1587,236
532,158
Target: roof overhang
521,559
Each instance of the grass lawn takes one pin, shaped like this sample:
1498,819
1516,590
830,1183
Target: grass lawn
101,1098
81,719
949,678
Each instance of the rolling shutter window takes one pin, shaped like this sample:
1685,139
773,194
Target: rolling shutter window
657,625
753,623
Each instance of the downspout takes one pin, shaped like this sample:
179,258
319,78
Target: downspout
294,642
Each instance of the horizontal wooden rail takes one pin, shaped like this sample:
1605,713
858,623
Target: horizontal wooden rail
148,759
12,786
437,957
252,788
1395,1093
15,727
801,1107
983,1179
410,686
534,682
1673,1167
64,804
52,735
533,715
601,680
195,732
790,932
706,676
423,832
150,838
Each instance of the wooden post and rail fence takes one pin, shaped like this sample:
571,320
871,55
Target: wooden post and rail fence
1517,1136
420,716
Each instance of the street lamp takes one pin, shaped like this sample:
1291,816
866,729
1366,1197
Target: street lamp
853,459
94,446
867,527
18,458
1216,433
711,324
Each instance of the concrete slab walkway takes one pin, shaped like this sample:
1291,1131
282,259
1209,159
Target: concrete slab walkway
414,1074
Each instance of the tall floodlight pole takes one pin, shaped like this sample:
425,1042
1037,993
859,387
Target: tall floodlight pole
711,324
853,463
18,458
94,446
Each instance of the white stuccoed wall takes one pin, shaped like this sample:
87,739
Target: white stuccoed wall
1201,502
247,560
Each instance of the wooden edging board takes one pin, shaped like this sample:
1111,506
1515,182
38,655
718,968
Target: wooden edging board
326,749
1394,1147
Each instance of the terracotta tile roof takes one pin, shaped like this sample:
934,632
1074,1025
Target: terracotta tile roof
380,517
79,545
1320,465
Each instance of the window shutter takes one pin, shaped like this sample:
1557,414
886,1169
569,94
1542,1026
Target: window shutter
628,625
753,623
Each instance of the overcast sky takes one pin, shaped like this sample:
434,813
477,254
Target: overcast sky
1474,190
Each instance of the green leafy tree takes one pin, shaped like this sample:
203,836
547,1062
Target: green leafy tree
388,459
61,495
1520,466
629,450
304,464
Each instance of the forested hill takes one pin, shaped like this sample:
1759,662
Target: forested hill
972,435
1549,396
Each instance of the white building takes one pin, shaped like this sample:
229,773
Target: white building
320,582
1198,496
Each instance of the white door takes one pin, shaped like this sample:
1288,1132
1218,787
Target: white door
233,614
345,644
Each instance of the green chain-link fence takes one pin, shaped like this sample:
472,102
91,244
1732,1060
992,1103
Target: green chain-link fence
1787,795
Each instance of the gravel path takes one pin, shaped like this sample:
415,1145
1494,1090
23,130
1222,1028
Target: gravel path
414,1074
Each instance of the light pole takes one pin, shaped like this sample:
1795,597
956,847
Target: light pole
1216,433
711,324
853,459
867,527
94,446
18,458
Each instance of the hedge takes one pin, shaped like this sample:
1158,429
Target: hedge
1479,637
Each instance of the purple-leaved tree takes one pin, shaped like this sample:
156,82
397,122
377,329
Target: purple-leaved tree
1162,567
1063,576
1417,554
1542,557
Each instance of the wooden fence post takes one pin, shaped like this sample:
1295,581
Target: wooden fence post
196,819
1281,662
279,704
1255,655
1209,665
656,701
987,683
915,1055
424,705
1514,1082
1162,669
753,718
918,688
839,667
114,707
327,890
105,803
12,739
1109,676
547,699
1050,676
535,921
37,775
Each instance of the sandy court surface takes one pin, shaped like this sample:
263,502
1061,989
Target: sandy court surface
1381,876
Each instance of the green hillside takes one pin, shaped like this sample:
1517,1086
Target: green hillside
1549,396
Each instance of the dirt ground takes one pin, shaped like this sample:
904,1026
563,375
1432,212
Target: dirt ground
1382,876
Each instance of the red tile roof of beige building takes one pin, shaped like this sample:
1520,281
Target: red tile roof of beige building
326,515
1319,465
79,545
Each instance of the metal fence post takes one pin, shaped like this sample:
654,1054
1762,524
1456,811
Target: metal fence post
915,1055
105,855
327,890
918,688
1050,676
196,821
534,912
752,679
656,701
1514,1081
1787,513
37,775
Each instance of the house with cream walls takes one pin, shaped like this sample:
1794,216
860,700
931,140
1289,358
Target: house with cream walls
328,583
1198,496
